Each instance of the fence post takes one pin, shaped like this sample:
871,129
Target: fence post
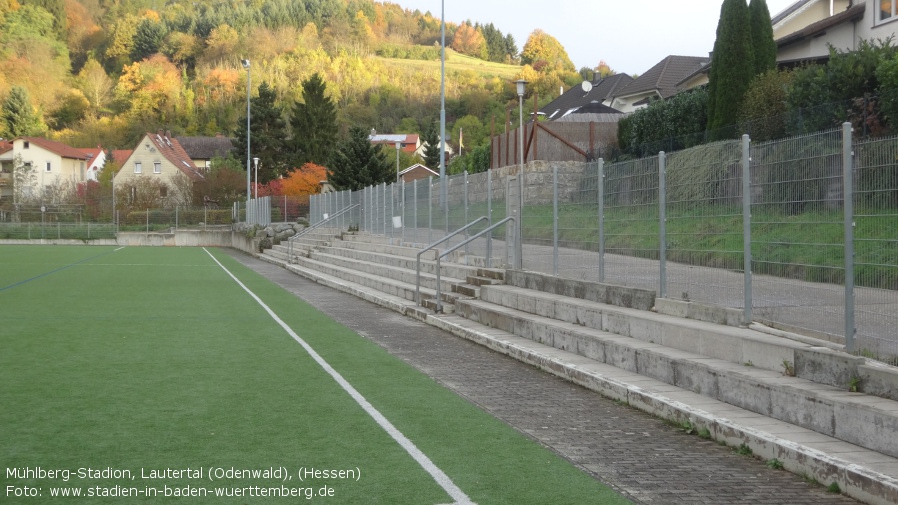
489,218
205,216
415,209
555,221
429,208
601,198
148,223
176,217
402,211
746,230
662,224
848,194
465,182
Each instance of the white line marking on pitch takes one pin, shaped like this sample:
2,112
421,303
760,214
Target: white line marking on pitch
438,475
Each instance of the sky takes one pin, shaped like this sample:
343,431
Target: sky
631,36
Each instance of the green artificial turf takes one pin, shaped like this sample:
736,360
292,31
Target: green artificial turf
147,359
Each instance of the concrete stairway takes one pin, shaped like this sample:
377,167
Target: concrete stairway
375,262
822,413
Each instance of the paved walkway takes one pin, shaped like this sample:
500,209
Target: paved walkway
644,458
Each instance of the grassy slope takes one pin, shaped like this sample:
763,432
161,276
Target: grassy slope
458,63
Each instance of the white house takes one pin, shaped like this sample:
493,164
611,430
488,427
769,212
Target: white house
805,30
160,164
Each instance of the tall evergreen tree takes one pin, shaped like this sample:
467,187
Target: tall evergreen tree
732,68
762,42
268,129
431,143
18,116
314,124
356,163
148,39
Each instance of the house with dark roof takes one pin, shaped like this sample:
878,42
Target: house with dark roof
805,30
599,91
160,164
202,150
659,82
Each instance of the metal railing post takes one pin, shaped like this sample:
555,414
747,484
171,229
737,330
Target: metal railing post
429,208
465,200
662,223
746,230
848,211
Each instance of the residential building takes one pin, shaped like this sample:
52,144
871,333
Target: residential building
52,165
408,142
598,91
160,164
659,82
202,150
96,160
806,29
415,172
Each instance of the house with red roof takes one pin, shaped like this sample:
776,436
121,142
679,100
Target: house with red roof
96,160
51,163
158,165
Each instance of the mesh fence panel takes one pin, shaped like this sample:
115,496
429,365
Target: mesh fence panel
631,223
578,222
876,248
797,234
704,224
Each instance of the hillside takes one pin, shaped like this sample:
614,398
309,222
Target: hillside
102,72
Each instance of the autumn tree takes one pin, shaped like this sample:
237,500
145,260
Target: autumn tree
305,180
356,163
544,52
314,124
468,40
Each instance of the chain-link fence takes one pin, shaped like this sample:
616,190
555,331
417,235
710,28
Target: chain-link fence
694,225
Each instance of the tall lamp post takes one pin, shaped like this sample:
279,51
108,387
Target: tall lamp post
248,79
256,163
398,147
519,247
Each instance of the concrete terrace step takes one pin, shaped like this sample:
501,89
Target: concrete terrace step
389,271
449,269
864,474
869,422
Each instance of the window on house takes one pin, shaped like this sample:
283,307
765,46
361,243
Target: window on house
887,9
49,167
26,145
163,191
138,167
157,168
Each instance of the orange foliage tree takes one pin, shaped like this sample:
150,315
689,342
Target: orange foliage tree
304,181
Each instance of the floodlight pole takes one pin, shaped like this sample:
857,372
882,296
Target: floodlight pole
398,147
246,65
443,189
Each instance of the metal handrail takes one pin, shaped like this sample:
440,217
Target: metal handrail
452,249
312,227
433,246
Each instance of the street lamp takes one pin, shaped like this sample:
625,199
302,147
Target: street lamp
398,147
248,79
519,248
256,162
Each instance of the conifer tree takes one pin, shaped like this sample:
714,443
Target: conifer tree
762,42
314,124
356,163
18,116
732,68
268,129
431,143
